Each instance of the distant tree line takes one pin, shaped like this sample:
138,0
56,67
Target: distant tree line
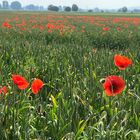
16,5
123,9
65,8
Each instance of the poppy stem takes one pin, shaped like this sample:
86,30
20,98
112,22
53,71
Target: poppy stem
14,108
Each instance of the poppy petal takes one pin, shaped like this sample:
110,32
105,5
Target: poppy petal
3,89
113,85
20,81
122,61
37,84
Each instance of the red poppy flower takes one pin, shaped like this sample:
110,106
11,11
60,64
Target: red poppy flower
37,84
122,61
20,81
113,85
3,90
118,28
6,25
106,29
48,25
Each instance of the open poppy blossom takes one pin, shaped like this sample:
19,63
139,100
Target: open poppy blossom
20,81
113,85
37,84
3,90
122,61
106,29
6,25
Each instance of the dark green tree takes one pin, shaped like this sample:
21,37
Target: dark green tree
53,8
67,9
124,9
16,5
74,7
90,10
5,5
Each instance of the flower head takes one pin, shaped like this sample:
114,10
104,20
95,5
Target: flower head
113,85
20,81
37,84
122,61
6,25
3,90
106,28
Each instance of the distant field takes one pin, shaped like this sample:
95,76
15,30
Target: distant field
71,53
71,13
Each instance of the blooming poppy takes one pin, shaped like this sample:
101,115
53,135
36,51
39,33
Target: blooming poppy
122,61
3,90
20,81
113,85
37,84
118,28
48,25
106,29
6,25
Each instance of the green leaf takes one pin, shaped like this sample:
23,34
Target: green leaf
81,128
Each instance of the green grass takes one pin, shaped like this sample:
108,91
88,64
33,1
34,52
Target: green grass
72,105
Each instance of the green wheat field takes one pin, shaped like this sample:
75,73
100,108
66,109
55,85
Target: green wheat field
71,54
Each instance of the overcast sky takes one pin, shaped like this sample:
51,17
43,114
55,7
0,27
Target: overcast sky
110,4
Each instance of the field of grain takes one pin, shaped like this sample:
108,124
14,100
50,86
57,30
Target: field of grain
72,55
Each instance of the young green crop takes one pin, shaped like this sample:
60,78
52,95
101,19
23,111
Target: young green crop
71,61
